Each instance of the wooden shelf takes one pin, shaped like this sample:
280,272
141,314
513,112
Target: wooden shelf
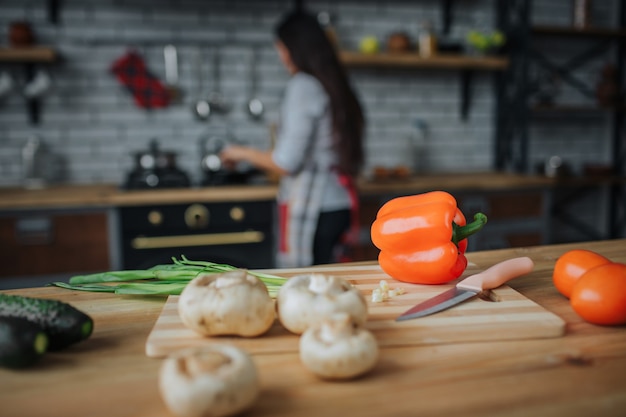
571,109
36,54
413,60
597,32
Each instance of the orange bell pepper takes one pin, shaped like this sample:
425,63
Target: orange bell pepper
422,238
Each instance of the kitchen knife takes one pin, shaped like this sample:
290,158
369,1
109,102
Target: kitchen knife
471,286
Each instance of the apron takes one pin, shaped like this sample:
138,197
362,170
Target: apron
299,207
298,211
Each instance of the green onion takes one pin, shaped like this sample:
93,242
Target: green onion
166,279
114,276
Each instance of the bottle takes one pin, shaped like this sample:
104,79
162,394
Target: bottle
581,13
427,41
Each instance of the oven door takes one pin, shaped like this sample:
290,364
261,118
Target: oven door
238,234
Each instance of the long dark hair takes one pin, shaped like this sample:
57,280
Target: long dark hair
313,53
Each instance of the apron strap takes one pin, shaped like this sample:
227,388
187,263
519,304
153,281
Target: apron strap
351,237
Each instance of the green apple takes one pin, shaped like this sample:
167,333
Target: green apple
369,45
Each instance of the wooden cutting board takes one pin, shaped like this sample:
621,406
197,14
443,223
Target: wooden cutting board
509,315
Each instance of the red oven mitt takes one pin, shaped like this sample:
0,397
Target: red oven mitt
146,89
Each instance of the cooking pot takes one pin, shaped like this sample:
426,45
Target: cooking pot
554,167
156,169
210,150
155,158
215,173
398,42
21,34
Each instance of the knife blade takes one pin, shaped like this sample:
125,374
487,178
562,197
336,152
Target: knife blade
471,286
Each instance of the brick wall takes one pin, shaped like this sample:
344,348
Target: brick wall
91,124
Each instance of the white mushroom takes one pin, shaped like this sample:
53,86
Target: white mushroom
336,348
210,381
304,300
230,303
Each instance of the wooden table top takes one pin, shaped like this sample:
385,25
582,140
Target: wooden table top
580,374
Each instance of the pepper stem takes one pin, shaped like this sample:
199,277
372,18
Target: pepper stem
462,232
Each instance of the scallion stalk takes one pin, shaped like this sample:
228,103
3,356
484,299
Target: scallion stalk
166,279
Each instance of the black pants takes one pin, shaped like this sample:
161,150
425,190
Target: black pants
330,227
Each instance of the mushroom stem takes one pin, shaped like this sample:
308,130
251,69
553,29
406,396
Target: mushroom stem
336,348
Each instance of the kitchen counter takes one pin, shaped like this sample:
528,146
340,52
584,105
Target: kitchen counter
579,374
103,195
99,195
477,181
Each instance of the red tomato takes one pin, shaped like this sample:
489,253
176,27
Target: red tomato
599,296
571,266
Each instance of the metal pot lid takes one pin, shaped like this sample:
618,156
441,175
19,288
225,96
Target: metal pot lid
147,161
212,162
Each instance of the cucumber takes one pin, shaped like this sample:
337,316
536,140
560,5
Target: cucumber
63,324
22,342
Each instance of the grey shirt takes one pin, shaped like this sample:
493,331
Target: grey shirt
305,136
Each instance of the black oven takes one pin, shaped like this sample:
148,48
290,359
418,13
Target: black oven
238,234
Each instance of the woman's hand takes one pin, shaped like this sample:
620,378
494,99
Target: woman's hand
263,160
233,154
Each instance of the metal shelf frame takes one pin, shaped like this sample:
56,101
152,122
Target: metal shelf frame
514,88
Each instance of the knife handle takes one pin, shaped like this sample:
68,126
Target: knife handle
497,275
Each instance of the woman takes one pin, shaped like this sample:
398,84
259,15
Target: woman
319,148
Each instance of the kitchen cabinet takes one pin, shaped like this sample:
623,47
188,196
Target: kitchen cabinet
515,205
45,242
69,229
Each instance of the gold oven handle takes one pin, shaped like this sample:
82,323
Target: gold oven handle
208,239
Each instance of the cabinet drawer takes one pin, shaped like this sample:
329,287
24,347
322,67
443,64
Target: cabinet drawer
39,244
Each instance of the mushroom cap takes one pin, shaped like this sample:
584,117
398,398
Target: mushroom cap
304,300
336,348
209,381
230,303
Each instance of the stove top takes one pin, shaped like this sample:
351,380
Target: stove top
147,179
226,178
151,179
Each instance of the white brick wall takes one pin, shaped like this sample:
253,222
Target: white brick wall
90,121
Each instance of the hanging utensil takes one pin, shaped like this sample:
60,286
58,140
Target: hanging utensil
6,84
202,107
171,73
216,98
255,105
